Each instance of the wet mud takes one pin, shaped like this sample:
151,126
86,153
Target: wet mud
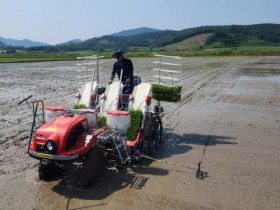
221,149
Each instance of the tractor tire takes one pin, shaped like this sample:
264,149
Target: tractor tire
93,168
155,134
46,172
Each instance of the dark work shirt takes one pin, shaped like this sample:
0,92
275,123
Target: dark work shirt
127,66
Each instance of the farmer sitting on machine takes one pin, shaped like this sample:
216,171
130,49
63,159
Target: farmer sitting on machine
127,66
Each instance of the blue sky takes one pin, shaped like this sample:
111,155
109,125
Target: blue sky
57,21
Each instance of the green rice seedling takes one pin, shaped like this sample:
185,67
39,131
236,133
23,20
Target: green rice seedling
101,90
79,106
101,121
135,124
166,92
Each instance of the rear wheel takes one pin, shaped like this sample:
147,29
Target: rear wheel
155,134
158,138
93,168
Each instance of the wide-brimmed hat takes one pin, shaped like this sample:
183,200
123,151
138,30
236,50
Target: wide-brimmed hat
118,54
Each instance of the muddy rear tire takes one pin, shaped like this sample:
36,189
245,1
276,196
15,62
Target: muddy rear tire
93,168
155,133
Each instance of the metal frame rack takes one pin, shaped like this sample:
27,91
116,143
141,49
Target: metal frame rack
90,68
168,67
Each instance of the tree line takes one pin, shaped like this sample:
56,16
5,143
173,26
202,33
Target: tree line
225,36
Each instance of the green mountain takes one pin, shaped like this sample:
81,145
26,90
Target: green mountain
73,41
217,37
252,35
135,31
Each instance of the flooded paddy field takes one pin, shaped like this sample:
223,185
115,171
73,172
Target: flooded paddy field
227,124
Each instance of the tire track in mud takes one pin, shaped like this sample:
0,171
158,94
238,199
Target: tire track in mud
198,93
223,91
224,88
195,94
197,78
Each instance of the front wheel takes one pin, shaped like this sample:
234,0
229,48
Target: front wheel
46,170
93,168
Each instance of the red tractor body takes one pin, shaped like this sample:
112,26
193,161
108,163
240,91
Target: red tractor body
63,138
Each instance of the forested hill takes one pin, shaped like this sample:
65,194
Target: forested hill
221,36
231,36
135,31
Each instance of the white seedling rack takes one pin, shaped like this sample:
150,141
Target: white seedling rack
90,68
88,74
168,69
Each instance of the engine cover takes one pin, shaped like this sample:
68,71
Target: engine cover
63,132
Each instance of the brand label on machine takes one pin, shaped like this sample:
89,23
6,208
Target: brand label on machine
46,156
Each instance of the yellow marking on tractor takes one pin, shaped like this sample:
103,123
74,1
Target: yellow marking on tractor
46,156
52,128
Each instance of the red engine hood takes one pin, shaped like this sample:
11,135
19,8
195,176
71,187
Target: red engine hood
58,130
